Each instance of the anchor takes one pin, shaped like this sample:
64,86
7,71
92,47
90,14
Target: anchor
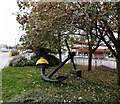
43,63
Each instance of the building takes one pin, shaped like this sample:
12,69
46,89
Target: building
81,49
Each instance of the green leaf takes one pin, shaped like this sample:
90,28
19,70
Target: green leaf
105,18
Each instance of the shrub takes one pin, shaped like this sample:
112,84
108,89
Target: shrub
21,61
30,63
52,60
14,52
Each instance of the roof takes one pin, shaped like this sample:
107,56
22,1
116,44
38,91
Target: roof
97,51
81,42
82,50
102,50
103,45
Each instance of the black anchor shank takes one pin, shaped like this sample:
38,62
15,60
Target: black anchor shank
54,71
71,54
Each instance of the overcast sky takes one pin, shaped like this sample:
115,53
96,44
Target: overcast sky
9,27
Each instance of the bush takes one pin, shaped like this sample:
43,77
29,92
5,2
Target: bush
14,52
30,63
21,61
52,60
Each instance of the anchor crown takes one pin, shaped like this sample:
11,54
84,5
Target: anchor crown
42,61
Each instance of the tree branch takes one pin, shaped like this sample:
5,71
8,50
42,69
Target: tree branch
108,45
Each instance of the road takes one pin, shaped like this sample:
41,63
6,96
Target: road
4,59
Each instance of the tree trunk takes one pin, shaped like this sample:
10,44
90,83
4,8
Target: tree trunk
90,61
118,65
118,68
60,55
59,47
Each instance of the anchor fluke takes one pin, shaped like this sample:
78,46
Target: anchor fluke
57,80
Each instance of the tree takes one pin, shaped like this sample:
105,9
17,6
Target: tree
43,25
101,18
107,23
61,17
93,44
110,28
107,26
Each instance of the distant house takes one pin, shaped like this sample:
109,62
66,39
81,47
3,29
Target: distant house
81,49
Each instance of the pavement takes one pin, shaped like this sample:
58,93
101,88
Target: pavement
4,59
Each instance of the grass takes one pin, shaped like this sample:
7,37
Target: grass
22,84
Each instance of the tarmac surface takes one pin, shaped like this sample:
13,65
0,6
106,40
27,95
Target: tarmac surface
4,59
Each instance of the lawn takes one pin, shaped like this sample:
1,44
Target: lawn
22,84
